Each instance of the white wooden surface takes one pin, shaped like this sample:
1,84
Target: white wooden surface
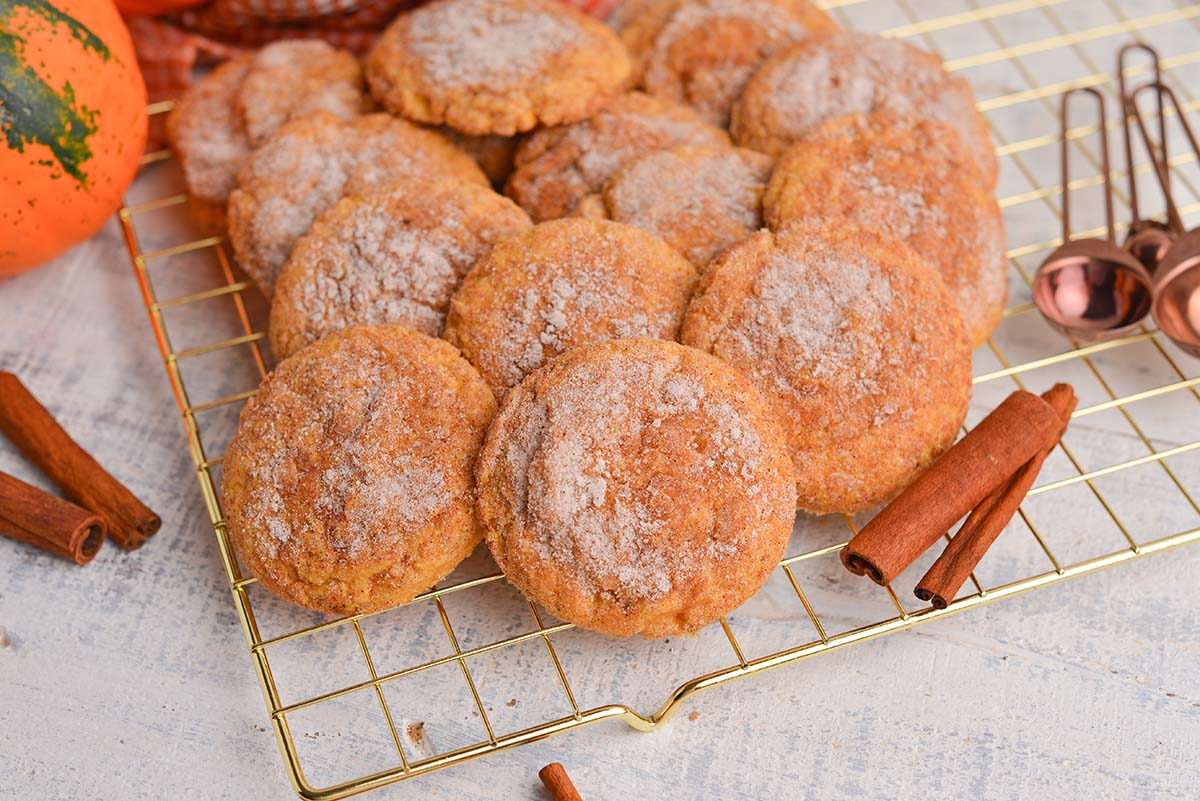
130,679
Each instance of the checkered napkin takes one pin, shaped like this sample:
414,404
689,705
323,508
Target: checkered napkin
170,47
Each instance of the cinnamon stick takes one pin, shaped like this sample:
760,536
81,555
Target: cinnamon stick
77,475
558,783
958,482
946,577
32,515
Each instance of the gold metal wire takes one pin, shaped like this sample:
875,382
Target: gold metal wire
974,17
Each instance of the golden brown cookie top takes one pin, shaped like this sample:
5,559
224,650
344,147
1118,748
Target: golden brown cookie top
291,78
206,134
348,486
699,200
311,163
911,179
557,167
636,487
392,255
495,66
826,77
219,121
855,341
560,285
702,52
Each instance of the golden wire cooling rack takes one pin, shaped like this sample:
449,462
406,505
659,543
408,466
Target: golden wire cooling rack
471,668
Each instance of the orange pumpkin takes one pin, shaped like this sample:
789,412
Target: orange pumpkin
72,124
151,7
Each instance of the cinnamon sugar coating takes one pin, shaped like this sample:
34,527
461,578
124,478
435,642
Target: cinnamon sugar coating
702,52
911,179
207,137
698,200
348,487
564,284
495,66
826,77
856,344
215,126
311,163
391,255
636,487
557,167
292,78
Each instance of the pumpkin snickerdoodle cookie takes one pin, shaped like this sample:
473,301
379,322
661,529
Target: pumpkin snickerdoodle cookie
232,110
825,77
391,255
911,179
556,168
702,52
636,487
311,163
699,200
210,141
560,285
496,66
292,78
348,487
857,346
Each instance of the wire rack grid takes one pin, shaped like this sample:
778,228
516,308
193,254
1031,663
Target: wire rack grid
482,640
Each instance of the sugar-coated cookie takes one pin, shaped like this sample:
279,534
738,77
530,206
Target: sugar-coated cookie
636,487
560,285
857,346
826,77
557,167
392,255
348,487
496,66
311,163
912,179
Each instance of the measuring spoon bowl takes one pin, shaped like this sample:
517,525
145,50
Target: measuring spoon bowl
1176,306
1149,241
1091,290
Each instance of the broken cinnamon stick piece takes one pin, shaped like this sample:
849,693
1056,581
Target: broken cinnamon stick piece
946,577
959,481
558,783
32,515
78,476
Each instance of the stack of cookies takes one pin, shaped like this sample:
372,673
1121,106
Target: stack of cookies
618,299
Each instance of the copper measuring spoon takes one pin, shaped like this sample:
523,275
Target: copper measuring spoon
1090,289
1148,239
1176,305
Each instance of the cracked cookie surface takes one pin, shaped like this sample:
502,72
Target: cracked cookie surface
912,179
392,255
556,168
819,79
311,163
636,487
857,346
702,52
698,200
348,487
495,66
560,285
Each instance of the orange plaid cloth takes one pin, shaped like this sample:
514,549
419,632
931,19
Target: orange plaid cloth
169,48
